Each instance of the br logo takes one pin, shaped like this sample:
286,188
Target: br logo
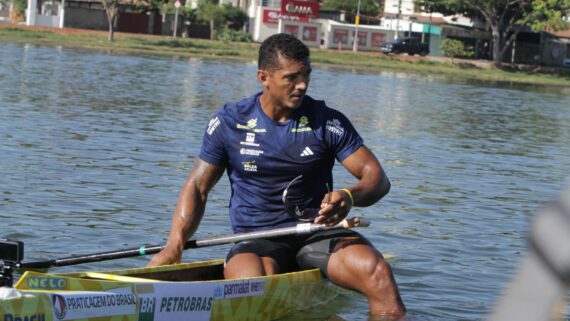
146,309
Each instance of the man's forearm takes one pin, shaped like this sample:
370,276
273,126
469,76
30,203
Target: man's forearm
187,215
371,188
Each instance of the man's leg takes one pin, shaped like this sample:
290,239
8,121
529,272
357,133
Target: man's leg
247,265
361,267
259,257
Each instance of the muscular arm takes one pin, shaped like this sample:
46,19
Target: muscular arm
371,186
189,211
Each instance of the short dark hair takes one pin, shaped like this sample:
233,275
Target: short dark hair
283,44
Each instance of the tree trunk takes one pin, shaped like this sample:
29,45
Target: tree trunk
498,43
112,10
212,30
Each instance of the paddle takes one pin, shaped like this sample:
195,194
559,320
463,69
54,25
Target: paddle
299,229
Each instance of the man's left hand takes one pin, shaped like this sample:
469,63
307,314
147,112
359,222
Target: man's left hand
334,209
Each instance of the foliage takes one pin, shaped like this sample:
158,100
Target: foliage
220,17
506,18
227,35
548,15
234,17
367,7
456,48
209,11
19,11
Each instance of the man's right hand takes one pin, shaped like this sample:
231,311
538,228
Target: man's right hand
165,257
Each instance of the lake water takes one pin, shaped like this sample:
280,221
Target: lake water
95,146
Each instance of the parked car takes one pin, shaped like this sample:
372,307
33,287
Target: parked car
411,46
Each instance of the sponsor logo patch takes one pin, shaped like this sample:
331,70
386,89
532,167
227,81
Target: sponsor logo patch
303,125
212,125
249,166
307,152
249,140
59,306
82,305
185,304
46,283
251,124
250,152
335,127
240,289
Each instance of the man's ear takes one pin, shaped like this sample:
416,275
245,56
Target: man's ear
262,76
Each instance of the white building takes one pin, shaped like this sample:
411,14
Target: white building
407,9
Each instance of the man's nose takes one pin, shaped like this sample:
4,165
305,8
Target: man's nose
302,84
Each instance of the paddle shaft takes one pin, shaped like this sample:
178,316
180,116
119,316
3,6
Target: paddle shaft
299,229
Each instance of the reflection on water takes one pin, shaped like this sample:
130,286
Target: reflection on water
94,148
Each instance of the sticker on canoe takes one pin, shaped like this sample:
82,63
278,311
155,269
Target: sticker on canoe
83,305
46,283
171,301
236,289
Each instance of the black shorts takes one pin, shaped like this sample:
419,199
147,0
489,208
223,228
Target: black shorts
296,252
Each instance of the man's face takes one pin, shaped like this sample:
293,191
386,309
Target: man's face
288,83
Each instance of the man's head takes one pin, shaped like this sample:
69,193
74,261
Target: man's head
284,71
281,44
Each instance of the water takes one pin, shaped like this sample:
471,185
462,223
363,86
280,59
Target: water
94,148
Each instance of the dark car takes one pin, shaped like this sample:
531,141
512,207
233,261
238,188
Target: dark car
411,46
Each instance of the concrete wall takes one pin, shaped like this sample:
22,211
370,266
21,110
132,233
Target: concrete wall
47,21
308,32
341,36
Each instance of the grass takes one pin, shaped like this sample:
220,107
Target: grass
183,47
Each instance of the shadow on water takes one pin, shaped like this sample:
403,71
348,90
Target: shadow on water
544,89
175,43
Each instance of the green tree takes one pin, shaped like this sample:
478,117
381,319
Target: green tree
455,48
18,11
209,11
220,17
367,7
506,18
234,18
112,9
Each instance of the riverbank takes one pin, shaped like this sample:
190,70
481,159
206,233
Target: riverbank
183,47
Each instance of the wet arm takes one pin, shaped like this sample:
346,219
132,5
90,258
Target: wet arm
189,211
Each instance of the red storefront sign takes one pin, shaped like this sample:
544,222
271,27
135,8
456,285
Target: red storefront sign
300,8
272,16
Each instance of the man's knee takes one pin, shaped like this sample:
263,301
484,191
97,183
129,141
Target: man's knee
378,275
383,271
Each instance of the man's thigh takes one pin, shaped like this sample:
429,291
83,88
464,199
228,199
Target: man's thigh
280,250
319,247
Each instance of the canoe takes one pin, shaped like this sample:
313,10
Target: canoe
187,291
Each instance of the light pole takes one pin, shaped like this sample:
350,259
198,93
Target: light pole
177,5
397,35
356,22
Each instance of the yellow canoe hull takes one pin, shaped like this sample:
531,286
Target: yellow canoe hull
188,291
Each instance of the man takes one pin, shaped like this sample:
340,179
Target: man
281,139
